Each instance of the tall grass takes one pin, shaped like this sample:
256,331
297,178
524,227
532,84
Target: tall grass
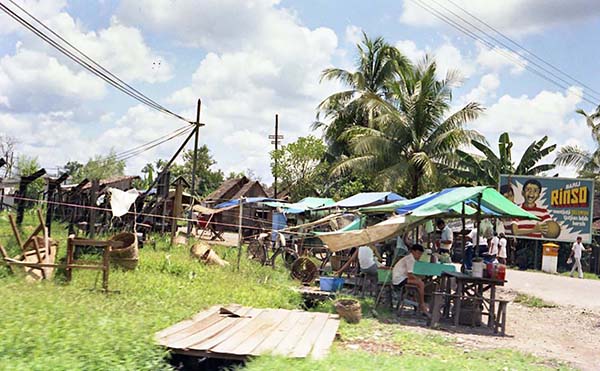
57,326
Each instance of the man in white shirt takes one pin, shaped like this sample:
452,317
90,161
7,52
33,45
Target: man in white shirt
502,249
366,260
480,246
403,271
446,237
576,252
494,247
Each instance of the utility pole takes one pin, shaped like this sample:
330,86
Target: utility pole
194,163
275,140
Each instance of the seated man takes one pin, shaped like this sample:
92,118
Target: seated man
403,270
367,262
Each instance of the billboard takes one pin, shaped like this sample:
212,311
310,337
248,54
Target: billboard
563,205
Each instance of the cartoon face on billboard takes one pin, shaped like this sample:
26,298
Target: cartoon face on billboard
564,207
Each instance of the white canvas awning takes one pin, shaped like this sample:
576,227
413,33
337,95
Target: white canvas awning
336,241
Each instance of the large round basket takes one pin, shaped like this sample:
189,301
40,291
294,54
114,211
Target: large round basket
127,256
349,309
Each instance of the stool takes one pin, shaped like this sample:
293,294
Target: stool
407,295
366,283
501,317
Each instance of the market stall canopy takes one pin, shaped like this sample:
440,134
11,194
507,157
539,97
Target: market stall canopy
449,203
446,203
341,240
402,206
367,199
308,203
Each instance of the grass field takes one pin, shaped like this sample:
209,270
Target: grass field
55,326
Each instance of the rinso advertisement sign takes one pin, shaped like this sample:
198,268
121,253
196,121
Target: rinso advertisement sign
563,205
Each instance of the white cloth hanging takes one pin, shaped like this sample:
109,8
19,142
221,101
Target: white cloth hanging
121,201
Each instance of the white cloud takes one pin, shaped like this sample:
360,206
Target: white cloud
512,16
272,69
447,57
528,119
496,59
410,50
120,49
353,34
33,81
485,90
216,25
42,9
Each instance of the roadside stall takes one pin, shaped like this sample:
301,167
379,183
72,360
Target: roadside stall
463,202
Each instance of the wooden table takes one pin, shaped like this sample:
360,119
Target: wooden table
469,287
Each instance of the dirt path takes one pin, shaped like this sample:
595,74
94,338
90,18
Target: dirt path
569,334
581,293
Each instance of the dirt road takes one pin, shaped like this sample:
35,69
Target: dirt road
581,293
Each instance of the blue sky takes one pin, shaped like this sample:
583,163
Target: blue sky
251,59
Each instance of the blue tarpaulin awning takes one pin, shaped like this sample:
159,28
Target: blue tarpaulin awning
368,198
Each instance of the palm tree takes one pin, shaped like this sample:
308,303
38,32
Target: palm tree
586,162
486,168
378,62
411,137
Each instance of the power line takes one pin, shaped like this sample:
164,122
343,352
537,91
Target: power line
134,149
149,147
114,81
474,36
512,41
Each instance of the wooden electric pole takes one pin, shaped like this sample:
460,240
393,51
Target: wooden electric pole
275,140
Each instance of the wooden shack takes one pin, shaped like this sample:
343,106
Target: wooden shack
255,217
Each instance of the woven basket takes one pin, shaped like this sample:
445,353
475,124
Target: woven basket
304,270
349,309
127,256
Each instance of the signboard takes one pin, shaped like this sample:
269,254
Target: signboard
563,205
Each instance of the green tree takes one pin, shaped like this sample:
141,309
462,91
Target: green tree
486,167
411,135
377,64
98,167
586,162
207,180
299,167
26,166
148,171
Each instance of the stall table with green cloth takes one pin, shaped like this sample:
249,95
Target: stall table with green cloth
420,269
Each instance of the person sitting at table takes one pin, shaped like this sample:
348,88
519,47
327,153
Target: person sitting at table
403,271
367,261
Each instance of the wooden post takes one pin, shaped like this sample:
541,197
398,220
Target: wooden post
68,269
478,221
92,216
105,267
177,207
241,206
464,238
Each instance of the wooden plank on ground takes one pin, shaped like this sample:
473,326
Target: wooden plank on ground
313,332
223,325
325,339
198,325
211,342
272,321
278,334
184,324
294,335
264,319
